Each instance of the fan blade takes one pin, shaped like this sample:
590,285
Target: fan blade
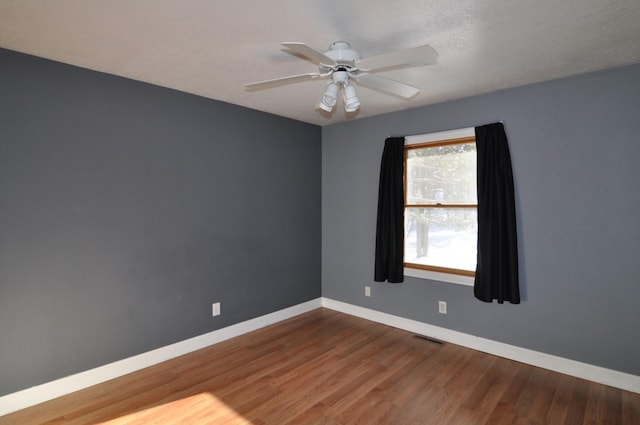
317,57
422,55
283,80
387,85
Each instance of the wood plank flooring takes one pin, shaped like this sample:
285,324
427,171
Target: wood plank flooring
324,367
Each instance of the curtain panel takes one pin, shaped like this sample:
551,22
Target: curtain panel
389,260
497,265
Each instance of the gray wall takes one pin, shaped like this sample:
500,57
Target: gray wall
575,146
127,209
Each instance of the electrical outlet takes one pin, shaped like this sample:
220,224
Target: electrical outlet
367,291
442,307
215,309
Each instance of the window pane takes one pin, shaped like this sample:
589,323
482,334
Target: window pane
444,174
442,237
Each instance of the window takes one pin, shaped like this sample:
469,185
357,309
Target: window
441,203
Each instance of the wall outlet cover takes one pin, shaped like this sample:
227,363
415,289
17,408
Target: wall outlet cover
442,307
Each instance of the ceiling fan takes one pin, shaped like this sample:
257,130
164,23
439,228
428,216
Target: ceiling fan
343,66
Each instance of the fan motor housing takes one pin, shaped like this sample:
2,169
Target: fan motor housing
341,52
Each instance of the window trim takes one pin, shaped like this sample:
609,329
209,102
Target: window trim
439,276
434,273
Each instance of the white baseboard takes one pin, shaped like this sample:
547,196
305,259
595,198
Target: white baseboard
586,371
50,390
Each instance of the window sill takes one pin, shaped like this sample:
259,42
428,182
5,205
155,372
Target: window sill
442,277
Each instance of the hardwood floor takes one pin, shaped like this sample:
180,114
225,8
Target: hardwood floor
325,367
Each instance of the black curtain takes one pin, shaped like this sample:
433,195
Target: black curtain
390,225
497,266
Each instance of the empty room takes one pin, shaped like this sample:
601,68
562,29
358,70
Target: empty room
338,212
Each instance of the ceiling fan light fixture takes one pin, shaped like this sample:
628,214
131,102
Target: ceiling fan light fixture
329,98
325,107
350,97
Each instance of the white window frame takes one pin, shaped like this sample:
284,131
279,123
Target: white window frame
430,274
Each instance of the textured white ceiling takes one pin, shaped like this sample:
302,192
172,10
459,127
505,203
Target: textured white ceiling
212,48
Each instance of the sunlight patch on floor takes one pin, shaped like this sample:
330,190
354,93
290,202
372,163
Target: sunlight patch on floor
200,408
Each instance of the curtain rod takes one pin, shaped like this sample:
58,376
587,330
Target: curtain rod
501,121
